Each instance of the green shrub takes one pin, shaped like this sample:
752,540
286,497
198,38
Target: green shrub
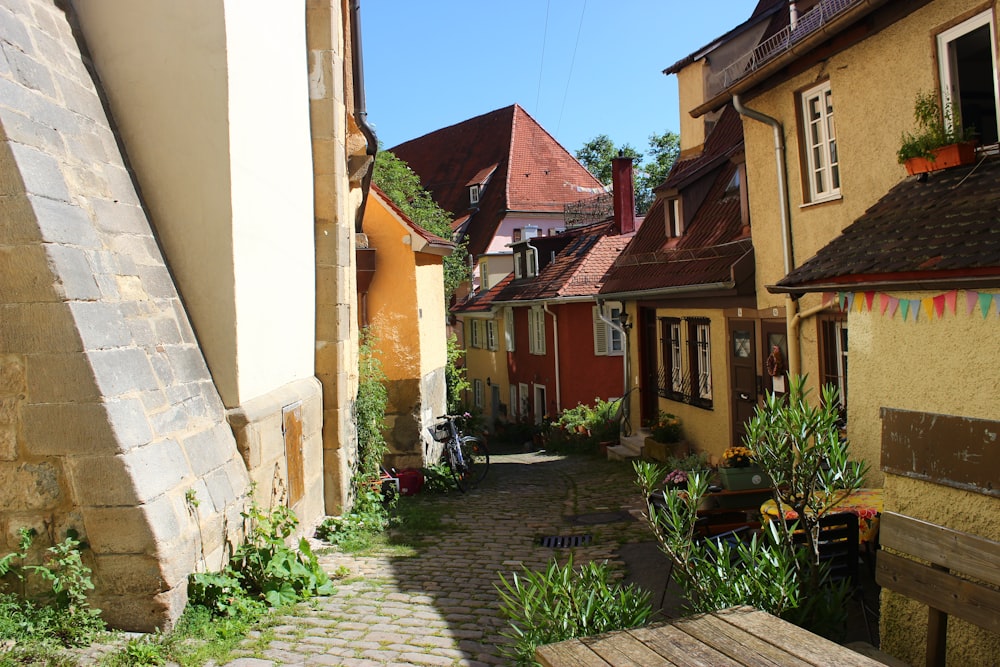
561,603
667,428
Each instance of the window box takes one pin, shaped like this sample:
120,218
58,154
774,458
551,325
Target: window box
945,157
742,479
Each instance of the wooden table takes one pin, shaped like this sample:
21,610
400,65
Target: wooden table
735,636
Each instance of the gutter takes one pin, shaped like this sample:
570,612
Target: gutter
361,109
793,320
668,291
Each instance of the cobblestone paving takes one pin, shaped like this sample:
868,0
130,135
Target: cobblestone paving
439,606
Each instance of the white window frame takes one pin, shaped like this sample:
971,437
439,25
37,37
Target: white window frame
819,137
675,222
474,194
518,265
476,336
477,393
524,406
946,63
530,263
491,335
703,357
508,328
608,339
514,404
536,331
484,275
677,364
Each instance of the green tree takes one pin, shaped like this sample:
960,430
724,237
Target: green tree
596,156
402,186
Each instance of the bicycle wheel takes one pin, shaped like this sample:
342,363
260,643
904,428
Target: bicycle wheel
477,459
457,466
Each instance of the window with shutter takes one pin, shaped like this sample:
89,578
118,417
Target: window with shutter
600,334
508,328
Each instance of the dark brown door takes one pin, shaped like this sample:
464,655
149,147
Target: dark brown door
743,358
649,369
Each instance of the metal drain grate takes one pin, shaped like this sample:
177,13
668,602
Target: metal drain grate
565,541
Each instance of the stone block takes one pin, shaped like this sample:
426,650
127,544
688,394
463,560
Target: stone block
61,378
130,530
170,420
74,275
81,97
8,443
156,468
67,429
32,328
209,449
24,130
8,409
101,481
100,325
17,219
119,218
157,282
11,374
12,27
25,272
30,73
34,486
122,371
129,421
145,614
128,574
166,330
187,362
40,174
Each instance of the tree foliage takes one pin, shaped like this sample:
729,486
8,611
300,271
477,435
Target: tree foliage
596,156
402,186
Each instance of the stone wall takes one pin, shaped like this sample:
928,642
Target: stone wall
109,419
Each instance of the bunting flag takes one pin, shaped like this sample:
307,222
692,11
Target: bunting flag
930,308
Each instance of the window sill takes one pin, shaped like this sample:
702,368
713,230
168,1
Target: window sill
824,200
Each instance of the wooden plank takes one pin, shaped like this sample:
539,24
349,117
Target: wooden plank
912,447
741,646
291,425
681,648
570,652
792,639
959,597
621,649
963,552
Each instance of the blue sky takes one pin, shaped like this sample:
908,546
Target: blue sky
432,64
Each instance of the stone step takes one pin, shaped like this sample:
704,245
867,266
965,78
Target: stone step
627,449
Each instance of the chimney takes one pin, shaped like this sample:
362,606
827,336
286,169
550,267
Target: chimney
624,193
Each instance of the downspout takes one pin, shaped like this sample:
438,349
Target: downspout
555,350
792,319
361,108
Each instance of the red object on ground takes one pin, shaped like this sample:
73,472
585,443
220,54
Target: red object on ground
411,481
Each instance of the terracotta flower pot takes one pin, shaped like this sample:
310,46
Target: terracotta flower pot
953,155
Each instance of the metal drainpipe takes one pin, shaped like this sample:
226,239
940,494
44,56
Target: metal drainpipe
555,350
361,107
792,319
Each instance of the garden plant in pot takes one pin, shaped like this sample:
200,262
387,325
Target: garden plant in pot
940,140
739,472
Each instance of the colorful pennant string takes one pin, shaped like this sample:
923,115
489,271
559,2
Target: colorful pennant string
929,308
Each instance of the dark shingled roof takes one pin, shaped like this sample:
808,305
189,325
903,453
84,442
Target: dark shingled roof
715,249
940,232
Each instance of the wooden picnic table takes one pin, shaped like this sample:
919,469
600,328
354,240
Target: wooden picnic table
731,637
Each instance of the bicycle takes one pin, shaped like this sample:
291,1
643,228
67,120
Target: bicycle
466,455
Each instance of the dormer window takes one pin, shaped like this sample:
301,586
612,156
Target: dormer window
474,194
675,221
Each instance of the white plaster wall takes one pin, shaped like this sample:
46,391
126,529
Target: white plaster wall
211,99
272,195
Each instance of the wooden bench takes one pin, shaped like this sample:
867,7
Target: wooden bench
948,553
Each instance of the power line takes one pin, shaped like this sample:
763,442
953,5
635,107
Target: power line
541,62
572,62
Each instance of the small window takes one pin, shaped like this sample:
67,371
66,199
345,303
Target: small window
518,265
686,374
514,405
530,263
477,392
539,403
474,195
969,75
607,339
477,333
484,275
525,403
536,331
675,223
491,335
508,328
516,235
833,356
820,144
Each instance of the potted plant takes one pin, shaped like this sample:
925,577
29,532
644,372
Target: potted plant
667,428
940,140
739,472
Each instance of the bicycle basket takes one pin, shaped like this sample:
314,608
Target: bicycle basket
441,432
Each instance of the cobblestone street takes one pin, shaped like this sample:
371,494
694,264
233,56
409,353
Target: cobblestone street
439,605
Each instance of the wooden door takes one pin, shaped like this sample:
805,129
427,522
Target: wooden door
774,366
743,363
